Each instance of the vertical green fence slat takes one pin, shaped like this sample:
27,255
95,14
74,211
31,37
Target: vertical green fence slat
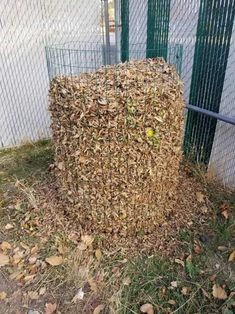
125,30
158,19
215,23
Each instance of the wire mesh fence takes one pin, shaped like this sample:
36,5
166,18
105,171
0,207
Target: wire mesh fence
42,39
26,27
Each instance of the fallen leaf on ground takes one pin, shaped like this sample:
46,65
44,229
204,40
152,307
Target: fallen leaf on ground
54,260
33,295
8,226
50,308
82,246
87,239
78,296
147,308
62,249
34,250
218,292
189,258
224,210
172,302
184,290
3,295
99,308
32,260
174,284
42,291
98,254
198,249
232,256
200,197
4,260
212,277
93,284
126,281
225,214
179,261
5,246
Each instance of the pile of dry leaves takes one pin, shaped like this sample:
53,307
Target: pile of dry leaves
117,135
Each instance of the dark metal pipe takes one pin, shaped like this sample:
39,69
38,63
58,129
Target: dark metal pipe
218,116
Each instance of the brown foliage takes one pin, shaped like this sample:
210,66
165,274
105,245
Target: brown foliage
117,135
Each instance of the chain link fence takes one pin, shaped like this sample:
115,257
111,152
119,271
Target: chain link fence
42,39
26,27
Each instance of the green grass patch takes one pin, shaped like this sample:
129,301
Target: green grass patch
28,160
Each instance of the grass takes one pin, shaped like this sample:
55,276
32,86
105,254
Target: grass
177,284
23,162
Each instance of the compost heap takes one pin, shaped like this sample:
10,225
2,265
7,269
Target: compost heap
118,135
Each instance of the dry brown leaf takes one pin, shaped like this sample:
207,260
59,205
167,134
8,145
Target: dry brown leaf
98,255
3,295
93,284
231,256
184,290
4,260
126,281
9,226
99,308
54,260
34,250
147,308
60,165
78,296
172,302
82,246
198,249
225,214
42,291
5,246
212,277
200,197
62,249
218,292
174,284
82,159
50,308
87,239
189,258
33,295
179,261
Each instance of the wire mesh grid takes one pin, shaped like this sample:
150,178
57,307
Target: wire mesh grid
197,36
26,27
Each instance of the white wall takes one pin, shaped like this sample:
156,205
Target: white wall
222,161
137,28
26,26
182,30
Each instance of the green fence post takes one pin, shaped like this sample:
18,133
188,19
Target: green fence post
158,28
125,30
215,24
